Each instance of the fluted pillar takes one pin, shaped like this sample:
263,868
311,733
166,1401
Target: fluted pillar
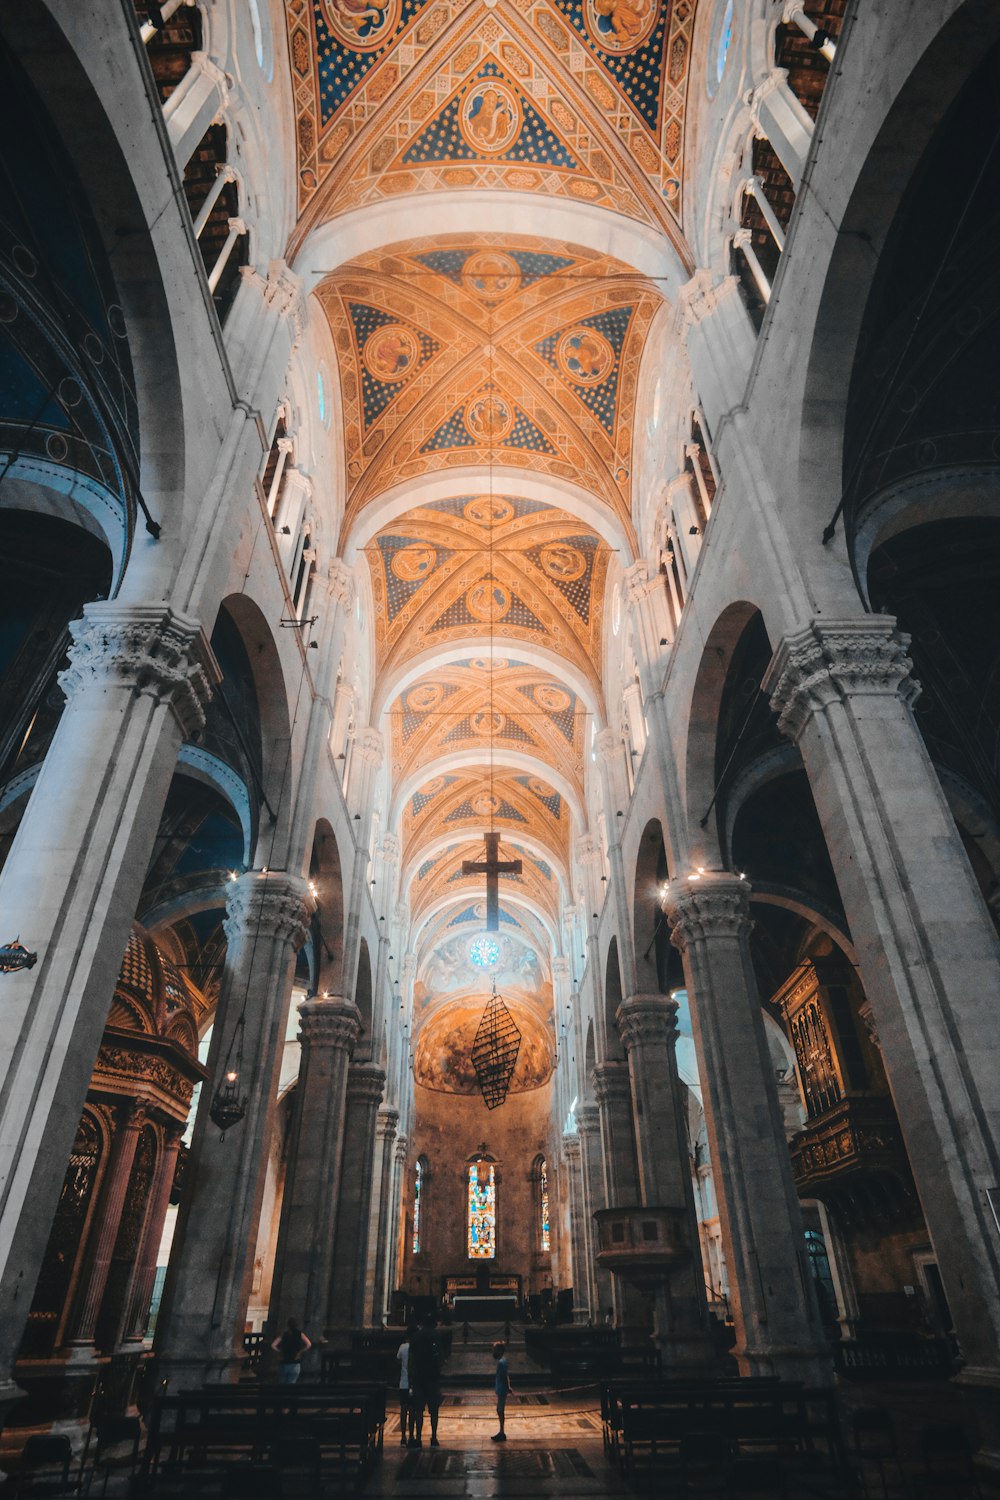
304,1263
647,1025
621,1172
113,1190
138,682
201,1324
588,1127
365,1084
379,1224
140,1293
927,948
778,1329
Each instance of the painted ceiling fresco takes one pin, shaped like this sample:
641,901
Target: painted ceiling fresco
468,351
537,885
497,566
510,802
582,99
444,1047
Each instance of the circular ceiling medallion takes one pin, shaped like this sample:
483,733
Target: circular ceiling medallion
487,600
551,697
540,788
491,274
488,510
620,25
584,356
413,564
362,25
489,418
391,353
483,664
422,698
484,952
490,118
432,787
562,562
486,805
485,722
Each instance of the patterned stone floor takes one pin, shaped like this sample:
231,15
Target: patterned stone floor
553,1449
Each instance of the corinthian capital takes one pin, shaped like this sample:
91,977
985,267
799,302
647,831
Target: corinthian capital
611,1083
700,297
259,904
644,1019
341,581
332,1023
370,746
715,905
834,660
365,1083
148,649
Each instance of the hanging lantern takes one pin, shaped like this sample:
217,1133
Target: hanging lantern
14,956
494,1051
228,1105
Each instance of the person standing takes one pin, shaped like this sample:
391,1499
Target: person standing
406,1423
290,1347
425,1380
502,1388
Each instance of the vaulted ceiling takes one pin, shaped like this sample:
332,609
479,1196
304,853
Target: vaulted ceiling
580,99
489,384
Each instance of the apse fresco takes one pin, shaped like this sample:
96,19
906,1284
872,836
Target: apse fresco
410,96
443,1058
453,965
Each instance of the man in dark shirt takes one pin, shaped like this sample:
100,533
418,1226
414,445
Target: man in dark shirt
425,1379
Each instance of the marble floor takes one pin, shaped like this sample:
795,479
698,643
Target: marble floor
553,1448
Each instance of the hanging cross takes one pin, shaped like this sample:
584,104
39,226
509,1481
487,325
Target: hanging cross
492,867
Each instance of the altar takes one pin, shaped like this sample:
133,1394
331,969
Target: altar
484,1297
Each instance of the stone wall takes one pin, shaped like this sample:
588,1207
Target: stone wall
450,1128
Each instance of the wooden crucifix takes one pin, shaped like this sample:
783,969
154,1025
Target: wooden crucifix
492,867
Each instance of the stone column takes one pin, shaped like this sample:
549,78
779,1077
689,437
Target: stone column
621,1173
378,1230
195,102
140,1293
588,1126
365,1084
720,341
201,1326
395,1228
90,1294
778,1330
928,951
304,1263
137,684
573,1186
779,118
648,1028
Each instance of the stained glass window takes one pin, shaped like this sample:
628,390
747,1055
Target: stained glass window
543,1206
417,1175
482,1211
484,952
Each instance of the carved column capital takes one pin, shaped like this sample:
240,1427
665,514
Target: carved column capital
402,1147
716,904
386,1122
147,648
571,1148
700,297
341,581
776,80
833,660
329,1023
365,1083
269,905
608,745
370,746
644,1019
611,1083
588,1119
